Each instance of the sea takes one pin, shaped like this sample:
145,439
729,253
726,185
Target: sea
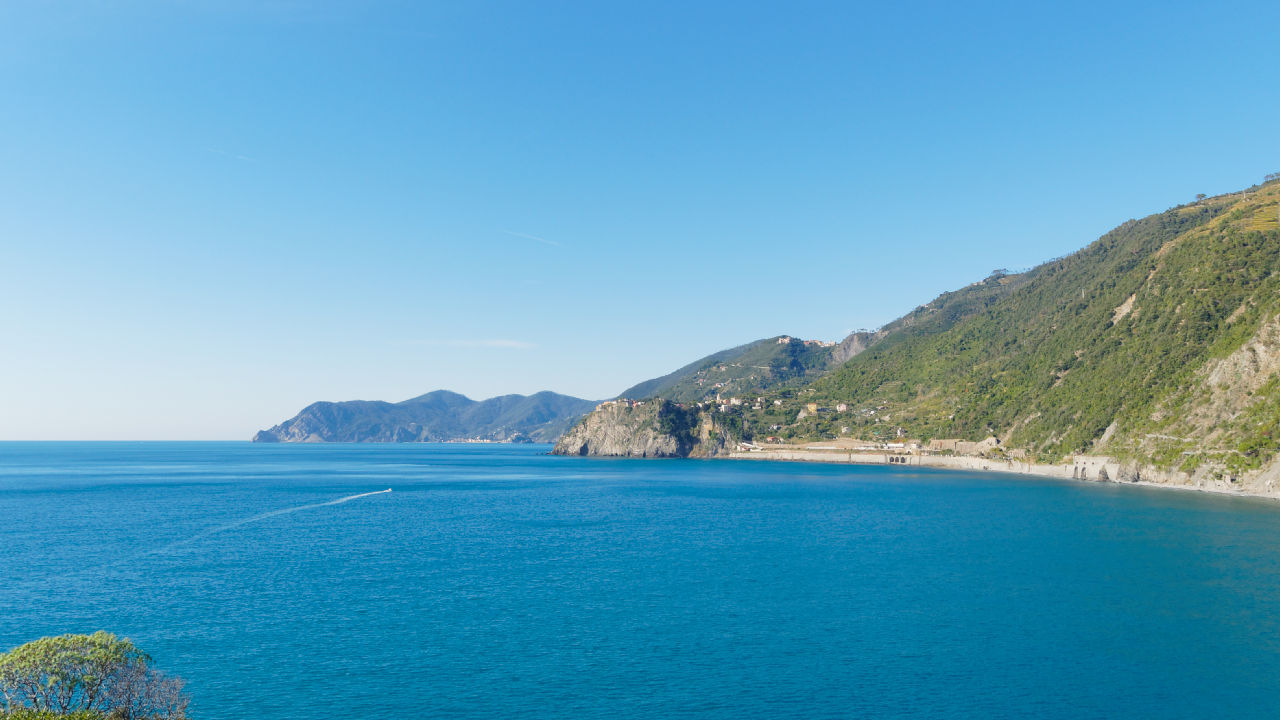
498,581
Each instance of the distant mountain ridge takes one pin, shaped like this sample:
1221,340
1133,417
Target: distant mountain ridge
438,416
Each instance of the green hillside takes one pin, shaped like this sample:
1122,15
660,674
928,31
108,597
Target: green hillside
1125,346
772,366
768,364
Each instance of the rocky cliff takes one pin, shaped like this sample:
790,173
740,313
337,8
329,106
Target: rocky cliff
855,344
658,428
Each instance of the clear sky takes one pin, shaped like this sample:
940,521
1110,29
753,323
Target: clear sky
214,213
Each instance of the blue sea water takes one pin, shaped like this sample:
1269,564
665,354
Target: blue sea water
499,582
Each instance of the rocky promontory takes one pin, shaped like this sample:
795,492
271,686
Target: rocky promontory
645,429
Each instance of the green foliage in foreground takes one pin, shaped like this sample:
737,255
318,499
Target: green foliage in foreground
28,714
84,677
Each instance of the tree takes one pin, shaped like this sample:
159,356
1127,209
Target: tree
96,675
1200,197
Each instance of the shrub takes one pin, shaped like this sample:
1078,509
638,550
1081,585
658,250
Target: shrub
86,677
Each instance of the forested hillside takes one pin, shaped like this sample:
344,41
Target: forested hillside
1109,346
780,363
1158,344
767,364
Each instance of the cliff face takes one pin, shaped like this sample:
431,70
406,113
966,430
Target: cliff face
855,343
620,430
654,429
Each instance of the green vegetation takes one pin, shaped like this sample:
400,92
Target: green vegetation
761,365
86,677
950,308
1155,344
678,422
1258,430
1109,334
24,714
1106,350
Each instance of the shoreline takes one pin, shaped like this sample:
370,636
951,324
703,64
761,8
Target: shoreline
1115,470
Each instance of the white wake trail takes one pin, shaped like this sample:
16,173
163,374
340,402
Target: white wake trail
263,516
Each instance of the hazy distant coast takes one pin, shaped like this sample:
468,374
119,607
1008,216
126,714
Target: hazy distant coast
439,416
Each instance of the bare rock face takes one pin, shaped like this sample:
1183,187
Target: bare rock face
855,344
657,428
624,429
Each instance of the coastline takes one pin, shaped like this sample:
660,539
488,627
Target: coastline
1085,469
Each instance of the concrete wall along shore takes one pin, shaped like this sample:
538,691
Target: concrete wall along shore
1085,467
1093,468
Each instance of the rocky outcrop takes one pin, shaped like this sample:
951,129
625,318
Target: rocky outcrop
1228,386
855,343
625,429
657,428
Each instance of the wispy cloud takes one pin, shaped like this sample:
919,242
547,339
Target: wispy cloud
535,238
493,343
224,153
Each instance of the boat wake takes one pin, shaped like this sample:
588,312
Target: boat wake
263,516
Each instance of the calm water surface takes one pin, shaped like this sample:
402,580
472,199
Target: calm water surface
500,582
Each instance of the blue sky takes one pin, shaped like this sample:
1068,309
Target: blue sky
214,213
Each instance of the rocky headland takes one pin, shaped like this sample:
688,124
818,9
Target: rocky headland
645,429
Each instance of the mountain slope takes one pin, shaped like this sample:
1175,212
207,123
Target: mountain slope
434,417
764,364
1157,345
1150,344
1089,339
782,362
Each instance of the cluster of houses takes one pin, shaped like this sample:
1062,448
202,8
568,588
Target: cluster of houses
723,404
620,402
787,340
815,409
